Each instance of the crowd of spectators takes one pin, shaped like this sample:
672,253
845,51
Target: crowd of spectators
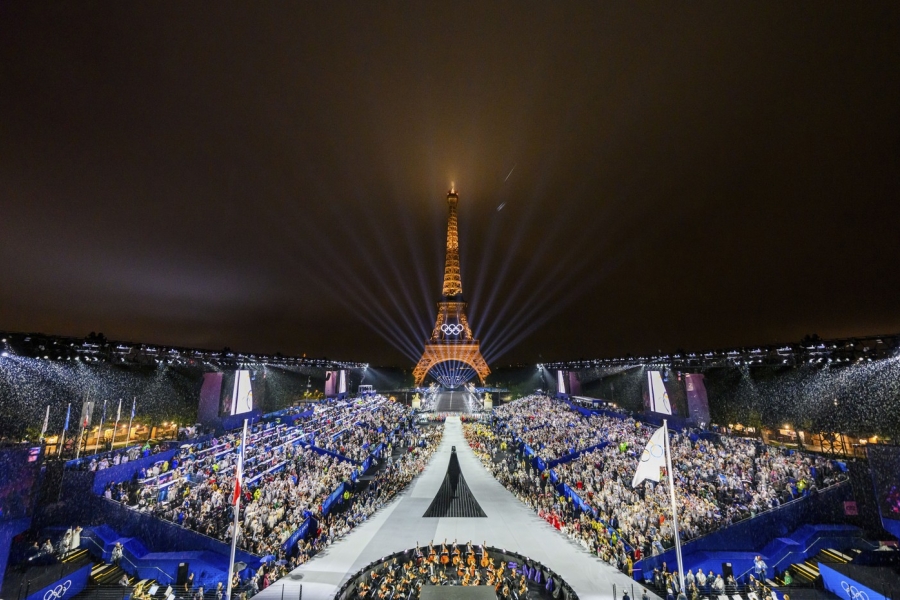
358,438
285,478
718,481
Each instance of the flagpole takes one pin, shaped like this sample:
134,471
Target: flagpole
239,475
46,422
674,509
116,426
62,436
81,432
102,419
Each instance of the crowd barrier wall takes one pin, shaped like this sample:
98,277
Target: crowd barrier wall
325,452
751,535
158,534
126,471
232,422
65,587
574,455
335,496
299,534
9,530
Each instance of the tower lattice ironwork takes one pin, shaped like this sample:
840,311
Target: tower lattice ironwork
451,339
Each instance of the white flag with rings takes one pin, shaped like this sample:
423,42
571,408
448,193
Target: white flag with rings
652,464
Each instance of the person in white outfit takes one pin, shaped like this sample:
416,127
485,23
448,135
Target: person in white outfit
75,540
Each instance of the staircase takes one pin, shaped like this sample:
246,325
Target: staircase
76,556
108,574
806,573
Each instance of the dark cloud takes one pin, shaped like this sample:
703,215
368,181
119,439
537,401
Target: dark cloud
272,177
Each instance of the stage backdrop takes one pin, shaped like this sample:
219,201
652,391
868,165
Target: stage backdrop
698,403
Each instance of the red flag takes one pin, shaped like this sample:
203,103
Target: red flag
238,477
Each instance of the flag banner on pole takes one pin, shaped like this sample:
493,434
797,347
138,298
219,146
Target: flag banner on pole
46,421
87,409
68,414
133,404
119,412
238,476
103,418
652,464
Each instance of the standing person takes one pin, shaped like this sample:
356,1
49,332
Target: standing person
759,566
117,552
189,583
75,541
64,543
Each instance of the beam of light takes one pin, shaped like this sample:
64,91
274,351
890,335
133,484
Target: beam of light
374,314
404,329
571,274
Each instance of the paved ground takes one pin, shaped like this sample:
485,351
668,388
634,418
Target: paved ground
399,525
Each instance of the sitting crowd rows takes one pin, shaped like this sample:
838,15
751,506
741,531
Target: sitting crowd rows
285,479
718,481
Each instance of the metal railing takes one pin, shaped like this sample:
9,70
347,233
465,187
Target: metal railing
806,550
98,552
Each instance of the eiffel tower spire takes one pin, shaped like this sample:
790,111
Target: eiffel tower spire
452,279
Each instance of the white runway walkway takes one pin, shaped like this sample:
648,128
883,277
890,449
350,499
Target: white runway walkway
509,524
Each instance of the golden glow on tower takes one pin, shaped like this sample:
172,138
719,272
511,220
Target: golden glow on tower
452,277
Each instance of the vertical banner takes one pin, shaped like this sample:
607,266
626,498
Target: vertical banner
242,397
330,381
659,397
561,383
208,407
46,422
87,410
574,384
697,401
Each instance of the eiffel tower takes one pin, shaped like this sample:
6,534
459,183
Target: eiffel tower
451,340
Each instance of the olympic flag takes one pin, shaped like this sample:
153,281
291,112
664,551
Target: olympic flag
652,465
655,465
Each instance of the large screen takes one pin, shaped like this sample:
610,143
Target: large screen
659,397
237,393
567,383
335,383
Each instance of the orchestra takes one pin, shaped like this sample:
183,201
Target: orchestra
445,565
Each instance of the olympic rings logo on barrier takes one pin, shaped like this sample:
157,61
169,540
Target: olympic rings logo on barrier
452,329
853,593
60,591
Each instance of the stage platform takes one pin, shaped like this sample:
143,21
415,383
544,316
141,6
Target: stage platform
509,524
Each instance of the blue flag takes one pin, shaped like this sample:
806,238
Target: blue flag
68,414
133,402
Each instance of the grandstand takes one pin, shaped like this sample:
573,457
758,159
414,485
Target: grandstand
332,486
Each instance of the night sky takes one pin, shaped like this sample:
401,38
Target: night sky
272,177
